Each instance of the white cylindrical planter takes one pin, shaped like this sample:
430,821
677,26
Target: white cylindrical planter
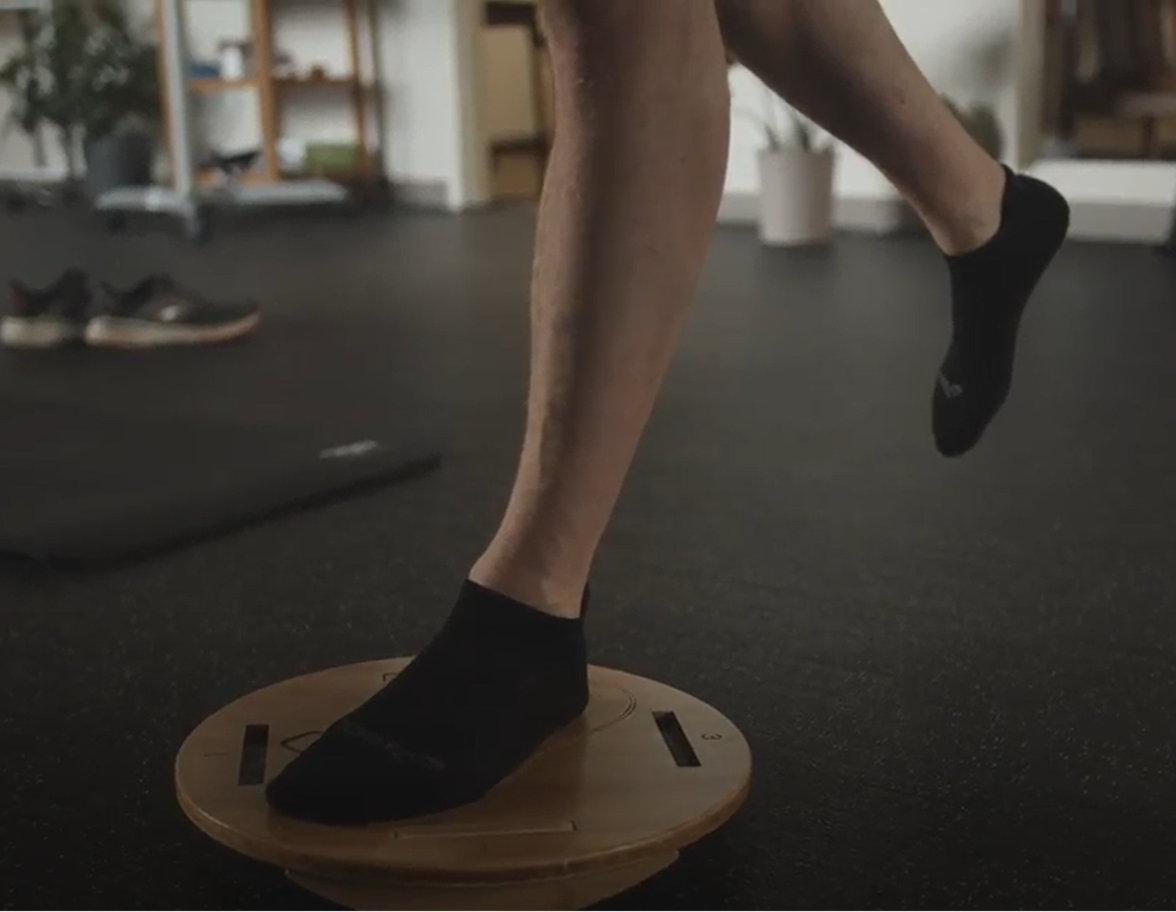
796,197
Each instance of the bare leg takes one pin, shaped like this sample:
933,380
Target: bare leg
840,62
628,205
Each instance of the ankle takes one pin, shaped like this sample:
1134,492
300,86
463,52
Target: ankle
963,235
559,597
971,219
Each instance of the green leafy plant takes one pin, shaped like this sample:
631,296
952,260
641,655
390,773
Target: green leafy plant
117,76
23,80
82,69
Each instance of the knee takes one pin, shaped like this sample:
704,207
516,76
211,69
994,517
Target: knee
591,37
572,26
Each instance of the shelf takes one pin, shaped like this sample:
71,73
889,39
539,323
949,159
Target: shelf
211,177
215,84
312,82
209,84
354,175
274,83
328,80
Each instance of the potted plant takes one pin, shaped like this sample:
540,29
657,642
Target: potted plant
118,87
26,112
83,70
796,168
27,100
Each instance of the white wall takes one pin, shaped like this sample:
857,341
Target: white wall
975,51
426,68
420,65
429,58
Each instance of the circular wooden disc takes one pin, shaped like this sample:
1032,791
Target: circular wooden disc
646,770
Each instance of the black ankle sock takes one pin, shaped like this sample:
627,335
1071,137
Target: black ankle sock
478,701
990,287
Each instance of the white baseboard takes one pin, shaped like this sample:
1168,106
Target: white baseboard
1145,223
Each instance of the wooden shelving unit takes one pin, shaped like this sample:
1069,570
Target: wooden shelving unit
188,195
1112,70
214,84
272,90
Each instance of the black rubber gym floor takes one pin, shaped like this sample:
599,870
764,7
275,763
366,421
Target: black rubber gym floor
957,677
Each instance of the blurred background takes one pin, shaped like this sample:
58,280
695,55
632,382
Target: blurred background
264,271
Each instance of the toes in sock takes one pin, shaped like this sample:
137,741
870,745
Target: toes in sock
478,701
990,287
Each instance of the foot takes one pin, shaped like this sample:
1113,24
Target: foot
48,317
497,681
990,287
158,311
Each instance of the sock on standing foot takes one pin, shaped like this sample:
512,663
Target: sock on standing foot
990,287
479,700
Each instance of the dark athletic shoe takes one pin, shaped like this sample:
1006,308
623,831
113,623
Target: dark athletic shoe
48,317
158,311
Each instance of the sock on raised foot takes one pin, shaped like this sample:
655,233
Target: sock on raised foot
496,682
990,287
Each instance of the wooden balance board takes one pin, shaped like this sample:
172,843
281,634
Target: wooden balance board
605,804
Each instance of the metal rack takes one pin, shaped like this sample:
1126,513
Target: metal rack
186,198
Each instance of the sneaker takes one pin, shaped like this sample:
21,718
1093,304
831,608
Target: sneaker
48,317
158,311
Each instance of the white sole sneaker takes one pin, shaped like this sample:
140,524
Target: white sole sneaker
124,332
39,332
